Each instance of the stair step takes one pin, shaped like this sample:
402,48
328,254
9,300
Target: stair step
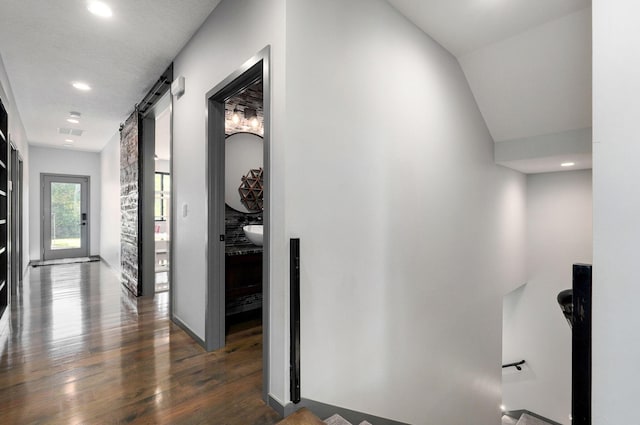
507,420
301,417
339,420
527,419
336,420
305,417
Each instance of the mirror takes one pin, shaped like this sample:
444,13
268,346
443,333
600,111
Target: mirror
243,172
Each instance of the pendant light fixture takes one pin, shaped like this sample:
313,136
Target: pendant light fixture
235,118
251,116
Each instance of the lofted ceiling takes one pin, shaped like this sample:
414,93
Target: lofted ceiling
46,45
462,26
528,64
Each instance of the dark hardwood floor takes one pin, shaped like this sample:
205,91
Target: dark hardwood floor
77,349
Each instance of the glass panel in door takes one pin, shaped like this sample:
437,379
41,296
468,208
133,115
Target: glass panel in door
66,220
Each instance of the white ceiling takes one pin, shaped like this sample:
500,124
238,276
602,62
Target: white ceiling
462,26
45,45
528,64
537,82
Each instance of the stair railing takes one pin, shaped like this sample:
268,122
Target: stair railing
517,365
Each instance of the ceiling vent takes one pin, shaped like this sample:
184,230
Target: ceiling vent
70,131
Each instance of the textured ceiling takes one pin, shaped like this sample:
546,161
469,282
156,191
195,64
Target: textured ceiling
45,45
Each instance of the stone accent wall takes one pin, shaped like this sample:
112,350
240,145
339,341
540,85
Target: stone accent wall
234,220
129,204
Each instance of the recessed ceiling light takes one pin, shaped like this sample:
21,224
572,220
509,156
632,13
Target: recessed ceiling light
99,8
81,86
567,164
73,121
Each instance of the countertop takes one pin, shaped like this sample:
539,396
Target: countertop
242,250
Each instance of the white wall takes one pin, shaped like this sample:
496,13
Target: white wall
410,235
18,136
616,207
17,132
110,195
234,32
163,166
62,161
110,217
559,222
163,133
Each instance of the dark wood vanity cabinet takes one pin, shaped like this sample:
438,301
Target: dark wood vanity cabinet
243,282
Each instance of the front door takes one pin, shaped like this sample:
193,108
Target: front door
65,216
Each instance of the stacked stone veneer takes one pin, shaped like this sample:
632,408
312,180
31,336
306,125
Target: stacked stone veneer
234,220
129,204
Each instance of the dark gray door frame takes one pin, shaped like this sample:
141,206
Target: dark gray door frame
21,216
45,213
255,68
15,213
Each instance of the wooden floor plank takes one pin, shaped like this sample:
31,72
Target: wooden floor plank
77,348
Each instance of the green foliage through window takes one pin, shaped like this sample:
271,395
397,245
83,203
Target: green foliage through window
65,210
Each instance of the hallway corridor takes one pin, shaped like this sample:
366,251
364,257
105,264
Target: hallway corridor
77,349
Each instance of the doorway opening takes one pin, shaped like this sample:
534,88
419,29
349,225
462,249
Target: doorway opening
244,199
156,114
65,216
238,148
162,203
